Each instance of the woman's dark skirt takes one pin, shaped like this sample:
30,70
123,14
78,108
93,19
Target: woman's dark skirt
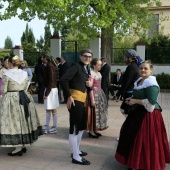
143,142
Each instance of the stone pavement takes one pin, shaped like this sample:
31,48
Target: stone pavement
52,151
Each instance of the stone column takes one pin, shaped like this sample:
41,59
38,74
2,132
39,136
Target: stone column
140,49
55,46
95,46
18,50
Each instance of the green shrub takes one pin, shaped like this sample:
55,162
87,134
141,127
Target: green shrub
163,80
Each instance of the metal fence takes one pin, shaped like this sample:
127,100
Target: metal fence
118,55
158,55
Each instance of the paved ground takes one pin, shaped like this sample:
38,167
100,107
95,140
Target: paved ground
52,151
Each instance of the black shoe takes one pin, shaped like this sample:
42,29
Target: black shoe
93,136
84,162
129,169
121,98
63,102
81,154
24,150
98,134
114,97
16,154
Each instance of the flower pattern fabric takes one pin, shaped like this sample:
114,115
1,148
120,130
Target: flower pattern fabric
15,129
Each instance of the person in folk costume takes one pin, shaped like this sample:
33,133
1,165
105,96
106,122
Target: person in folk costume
50,94
19,121
130,75
97,117
143,142
74,83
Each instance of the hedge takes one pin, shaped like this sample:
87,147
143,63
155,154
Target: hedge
162,79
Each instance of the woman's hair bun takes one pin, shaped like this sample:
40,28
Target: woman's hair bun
15,60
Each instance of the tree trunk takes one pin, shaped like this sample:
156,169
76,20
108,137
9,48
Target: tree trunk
107,44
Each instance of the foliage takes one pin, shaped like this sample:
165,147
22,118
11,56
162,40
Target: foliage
65,30
8,43
163,80
121,45
55,32
47,37
28,39
28,43
40,44
4,53
87,16
68,43
43,44
158,48
31,57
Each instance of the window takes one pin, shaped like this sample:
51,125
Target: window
154,28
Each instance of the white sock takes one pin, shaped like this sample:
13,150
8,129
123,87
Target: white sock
73,138
55,120
79,136
17,149
48,117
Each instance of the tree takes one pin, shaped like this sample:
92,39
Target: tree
40,44
28,43
55,32
43,44
90,17
8,43
28,39
47,36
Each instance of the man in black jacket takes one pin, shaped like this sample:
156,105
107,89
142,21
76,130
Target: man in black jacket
130,75
39,71
105,72
75,83
64,66
117,82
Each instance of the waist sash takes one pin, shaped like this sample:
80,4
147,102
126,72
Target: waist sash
78,95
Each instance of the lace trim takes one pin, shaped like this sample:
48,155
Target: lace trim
148,106
17,75
150,81
96,76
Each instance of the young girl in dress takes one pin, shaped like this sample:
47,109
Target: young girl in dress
98,99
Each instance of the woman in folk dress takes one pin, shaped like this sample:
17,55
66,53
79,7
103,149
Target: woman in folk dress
98,99
19,121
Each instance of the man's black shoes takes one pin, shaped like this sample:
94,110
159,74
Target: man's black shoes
81,154
82,162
